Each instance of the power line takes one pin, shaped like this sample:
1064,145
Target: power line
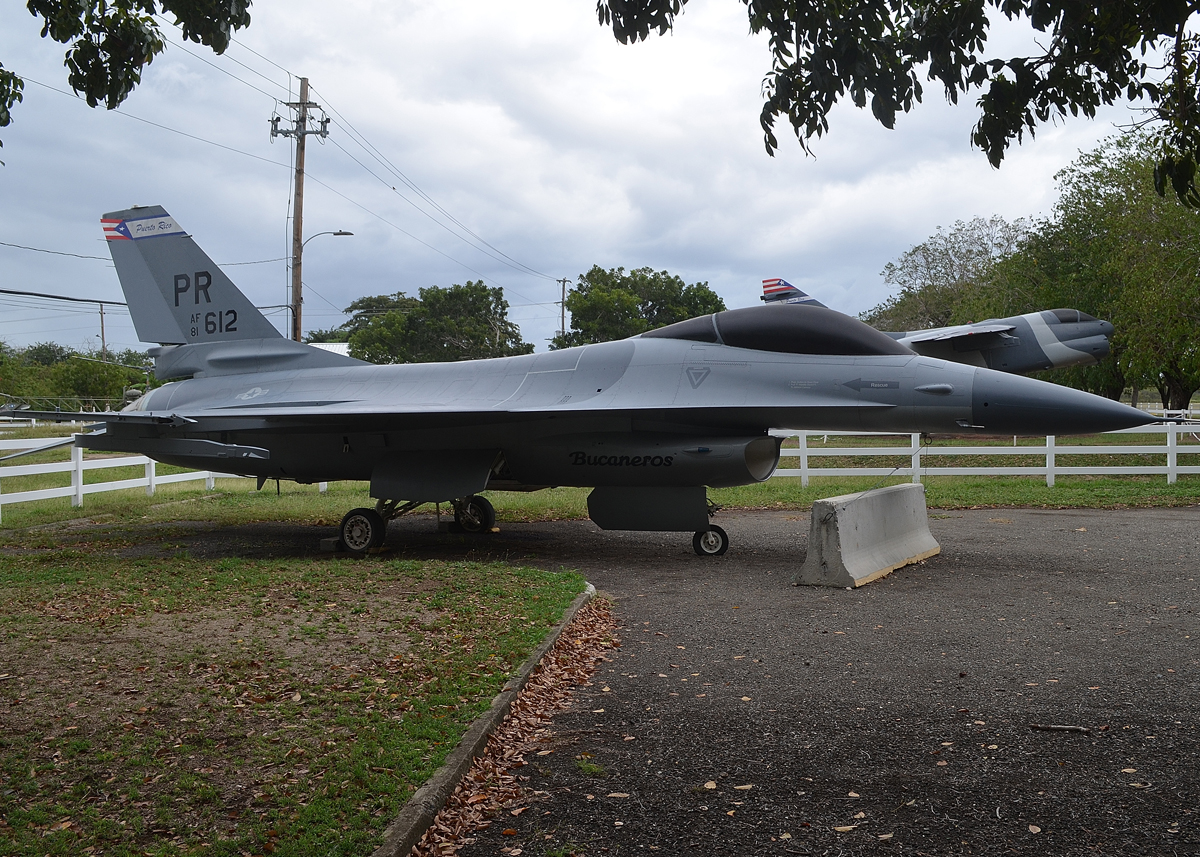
288,166
264,59
208,62
107,259
61,297
382,159
311,177
53,252
157,125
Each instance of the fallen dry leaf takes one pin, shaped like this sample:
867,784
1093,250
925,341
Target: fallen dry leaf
571,662
886,835
845,828
860,815
711,784
743,788
1033,828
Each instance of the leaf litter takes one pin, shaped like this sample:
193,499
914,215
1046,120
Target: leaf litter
492,786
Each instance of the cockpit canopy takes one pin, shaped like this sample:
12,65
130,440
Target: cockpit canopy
787,328
1070,316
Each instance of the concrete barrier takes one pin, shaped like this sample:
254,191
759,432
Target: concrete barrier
857,538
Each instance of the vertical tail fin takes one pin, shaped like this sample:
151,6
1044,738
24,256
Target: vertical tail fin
176,294
780,291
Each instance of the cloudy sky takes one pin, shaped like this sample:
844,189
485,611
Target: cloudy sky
527,123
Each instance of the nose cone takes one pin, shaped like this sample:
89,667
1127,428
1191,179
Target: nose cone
1013,404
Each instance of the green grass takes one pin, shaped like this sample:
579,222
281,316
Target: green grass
237,500
167,706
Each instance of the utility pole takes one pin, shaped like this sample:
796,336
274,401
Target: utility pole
562,306
103,344
300,130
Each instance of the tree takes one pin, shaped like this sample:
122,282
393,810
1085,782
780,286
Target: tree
1090,54
1114,249
612,304
463,322
362,311
938,277
111,42
46,353
89,380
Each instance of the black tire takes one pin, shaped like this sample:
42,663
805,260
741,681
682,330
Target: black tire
361,530
475,514
710,542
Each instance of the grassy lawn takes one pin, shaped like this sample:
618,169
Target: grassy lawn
169,706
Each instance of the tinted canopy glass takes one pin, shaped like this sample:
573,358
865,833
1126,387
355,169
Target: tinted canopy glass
1071,315
791,329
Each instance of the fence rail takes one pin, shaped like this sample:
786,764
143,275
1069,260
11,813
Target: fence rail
795,461
1050,451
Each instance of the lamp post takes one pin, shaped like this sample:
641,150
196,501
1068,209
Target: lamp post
297,283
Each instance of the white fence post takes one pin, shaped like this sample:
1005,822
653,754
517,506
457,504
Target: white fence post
77,475
322,487
916,458
1049,461
1172,453
210,481
150,478
803,438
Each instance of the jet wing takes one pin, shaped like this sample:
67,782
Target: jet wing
98,417
943,334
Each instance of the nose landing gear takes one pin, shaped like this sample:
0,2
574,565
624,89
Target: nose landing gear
710,542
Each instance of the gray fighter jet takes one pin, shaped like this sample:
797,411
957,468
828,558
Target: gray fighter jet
647,422
1050,339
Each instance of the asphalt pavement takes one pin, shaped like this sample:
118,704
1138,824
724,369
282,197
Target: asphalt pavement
743,715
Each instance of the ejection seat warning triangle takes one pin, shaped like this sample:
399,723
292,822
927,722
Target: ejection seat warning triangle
696,375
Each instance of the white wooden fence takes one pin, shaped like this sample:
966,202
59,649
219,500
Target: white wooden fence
78,466
795,461
1050,452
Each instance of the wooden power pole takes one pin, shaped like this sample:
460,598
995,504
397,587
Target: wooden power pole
300,130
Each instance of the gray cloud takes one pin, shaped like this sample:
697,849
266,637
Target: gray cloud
534,128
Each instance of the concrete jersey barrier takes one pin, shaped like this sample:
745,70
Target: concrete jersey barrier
856,538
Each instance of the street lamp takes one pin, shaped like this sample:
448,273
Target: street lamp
297,286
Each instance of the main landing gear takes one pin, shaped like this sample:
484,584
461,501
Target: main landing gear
363,531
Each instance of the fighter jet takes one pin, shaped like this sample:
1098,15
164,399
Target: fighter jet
647,422
1050,339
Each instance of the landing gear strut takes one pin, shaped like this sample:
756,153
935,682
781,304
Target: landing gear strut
474,514
711,541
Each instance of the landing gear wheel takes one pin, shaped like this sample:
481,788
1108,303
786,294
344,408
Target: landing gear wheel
710,542
362,529
475,514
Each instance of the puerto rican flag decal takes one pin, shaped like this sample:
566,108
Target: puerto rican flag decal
135,230
115,230
777,286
